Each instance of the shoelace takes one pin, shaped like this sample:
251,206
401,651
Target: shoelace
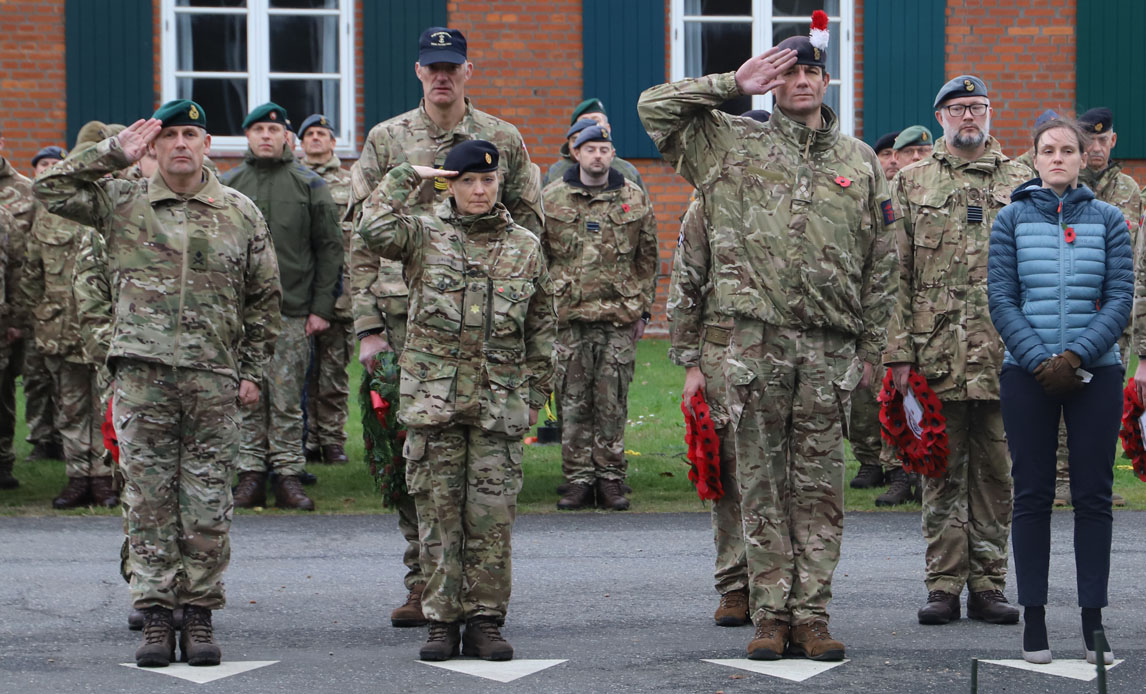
413,598
938,596
198,626
156,629
733,599
767,629
439,631
820,631
992,596
490,631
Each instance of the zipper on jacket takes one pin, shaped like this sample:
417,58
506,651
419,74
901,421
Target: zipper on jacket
1061,282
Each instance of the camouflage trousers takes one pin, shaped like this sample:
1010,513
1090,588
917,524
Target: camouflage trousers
967,512
727,526
406,506
863,427
328,389
788,393
595,363
78,397
272,429
465,483
40,404
178,439
11,363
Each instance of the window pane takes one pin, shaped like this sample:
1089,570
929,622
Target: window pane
718,47
305,4
302,98
832,98
718,7
304,44
786,29
211,42
225,102
210,3
804,8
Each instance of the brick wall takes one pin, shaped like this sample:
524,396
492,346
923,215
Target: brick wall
32,85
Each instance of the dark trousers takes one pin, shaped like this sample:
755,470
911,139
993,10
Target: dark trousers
1031,418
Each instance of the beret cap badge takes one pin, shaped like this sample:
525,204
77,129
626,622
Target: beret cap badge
488,158
1098,127
193,113
968,85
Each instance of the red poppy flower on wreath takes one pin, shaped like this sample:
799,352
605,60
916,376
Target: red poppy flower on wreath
843,181
1131,433
927,453
703,448
1068,234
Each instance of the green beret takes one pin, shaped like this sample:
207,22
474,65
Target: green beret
92,131
269,112
1097,120
963,85
915,135
181,112
586,106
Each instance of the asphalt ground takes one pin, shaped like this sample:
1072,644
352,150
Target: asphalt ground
626,600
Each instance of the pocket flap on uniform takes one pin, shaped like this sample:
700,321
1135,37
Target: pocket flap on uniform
443,278
513,290
45,312
738,374
426,367
561,214
509,376
415,446
618,215
923,321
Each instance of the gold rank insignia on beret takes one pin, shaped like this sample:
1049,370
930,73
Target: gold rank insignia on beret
968,85
1098,127
923,136
193,113
488,158
322,121
816,53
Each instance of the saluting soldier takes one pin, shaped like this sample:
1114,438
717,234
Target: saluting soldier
476,367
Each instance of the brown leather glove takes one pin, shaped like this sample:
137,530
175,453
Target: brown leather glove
1057,375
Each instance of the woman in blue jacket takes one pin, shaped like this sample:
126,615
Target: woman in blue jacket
1060,286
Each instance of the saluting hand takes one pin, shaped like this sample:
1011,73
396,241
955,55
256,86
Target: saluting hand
135,138
427,172
765,72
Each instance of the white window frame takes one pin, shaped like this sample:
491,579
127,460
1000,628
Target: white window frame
258,73
762,21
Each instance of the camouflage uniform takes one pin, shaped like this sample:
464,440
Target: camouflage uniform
700,337
378,285
50,306
601,245
8,229
195,286
801,237
478,357
327,385
943,328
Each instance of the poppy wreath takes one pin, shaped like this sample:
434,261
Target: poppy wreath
703,448
1131,433
110,440
926,455
384,438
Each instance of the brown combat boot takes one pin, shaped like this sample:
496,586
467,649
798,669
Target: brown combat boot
410,614
103,492
158,648
814,641
483,640
251,490
76,493
334,454
733,610
941,608
197,638
769,641
442,643
870,475
991,606
577,495
289,494
7,481
898,491
610,496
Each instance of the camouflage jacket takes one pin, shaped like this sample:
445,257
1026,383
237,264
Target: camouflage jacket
377,285
7,231
566,162
479,340
338,181
692,297
46,285
1027,159
1112,186
303,220
93,295
16,197
942,324
193,279
601,246
802,233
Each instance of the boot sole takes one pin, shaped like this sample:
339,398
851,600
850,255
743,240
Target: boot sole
202,660
936,620
408,623
497,657
437,657
830,655
764,654
731,622
155,660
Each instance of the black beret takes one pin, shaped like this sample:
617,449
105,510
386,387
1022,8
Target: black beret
594,133
318,120
477,156
757,115
181,112
269,112
1097,120
806,53
885,142
963,85
441,45
49,152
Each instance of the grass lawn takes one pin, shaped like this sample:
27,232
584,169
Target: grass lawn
654,440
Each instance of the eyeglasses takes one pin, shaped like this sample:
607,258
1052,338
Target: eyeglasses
957,110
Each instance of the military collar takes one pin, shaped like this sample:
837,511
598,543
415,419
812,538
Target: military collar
6,169
990,160
573,177
803,136
436,131
329,165
211,193
261,163
497,219
565,153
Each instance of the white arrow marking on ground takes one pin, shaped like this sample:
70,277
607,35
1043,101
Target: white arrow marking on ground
791,669
505,671
1074,669
203,675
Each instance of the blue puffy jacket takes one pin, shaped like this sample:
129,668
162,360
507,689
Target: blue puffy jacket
1048,293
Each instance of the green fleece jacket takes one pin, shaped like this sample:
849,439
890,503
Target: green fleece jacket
303,220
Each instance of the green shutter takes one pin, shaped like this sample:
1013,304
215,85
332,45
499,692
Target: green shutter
903,64
390,31
624,54
110,62
1110,65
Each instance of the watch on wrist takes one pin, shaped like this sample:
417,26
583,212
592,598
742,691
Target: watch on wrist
646,316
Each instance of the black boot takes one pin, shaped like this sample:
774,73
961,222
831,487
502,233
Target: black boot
870,475
941,608
898,492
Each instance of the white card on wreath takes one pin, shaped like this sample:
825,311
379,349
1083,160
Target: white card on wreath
914,412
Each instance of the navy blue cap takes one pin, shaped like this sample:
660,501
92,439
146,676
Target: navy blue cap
579,126
1097,120
441,45
1046,115
963,85
885,142
594,133
759,115
49,152
478,156
315,120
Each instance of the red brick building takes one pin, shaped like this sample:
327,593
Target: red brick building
63,62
